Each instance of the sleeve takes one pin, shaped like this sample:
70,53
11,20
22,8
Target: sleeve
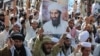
28,52
56,49
27,24
30,43
5,52
72,54
97,51
36,49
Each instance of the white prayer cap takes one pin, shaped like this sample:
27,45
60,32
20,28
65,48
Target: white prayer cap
11,15
19,24
48,38
85,44
54,39
6,1
68,36
55,6
83,36
21,19
34,20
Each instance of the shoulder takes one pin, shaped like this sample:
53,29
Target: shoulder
65,23
72,54
5,51
28,51
48,22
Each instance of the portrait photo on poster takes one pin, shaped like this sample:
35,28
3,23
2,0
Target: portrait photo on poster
54,16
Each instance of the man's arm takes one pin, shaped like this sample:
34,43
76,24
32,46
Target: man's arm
5,52
58,47
37,45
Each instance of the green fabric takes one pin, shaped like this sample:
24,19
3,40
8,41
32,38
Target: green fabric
37,51
5,52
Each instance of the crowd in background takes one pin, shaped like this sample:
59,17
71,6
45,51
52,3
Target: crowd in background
49,29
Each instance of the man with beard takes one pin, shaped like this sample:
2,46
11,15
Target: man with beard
82,49
47,45
56,25
66,49
15,46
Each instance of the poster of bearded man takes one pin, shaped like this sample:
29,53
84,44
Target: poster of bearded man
54,16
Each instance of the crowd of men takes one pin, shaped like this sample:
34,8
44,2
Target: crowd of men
23,32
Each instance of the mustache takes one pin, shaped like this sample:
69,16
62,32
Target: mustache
55,21
54,18
49,48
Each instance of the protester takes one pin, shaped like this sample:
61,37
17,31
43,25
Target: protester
15,46
43,47
67,48
84,49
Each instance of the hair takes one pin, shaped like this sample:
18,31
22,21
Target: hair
59,11
13,18
44,49
82,48
71,20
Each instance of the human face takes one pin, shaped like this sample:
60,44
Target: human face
71,24
86,51
54,14
55,17
18,43
34,25
48,46
16,28
67,42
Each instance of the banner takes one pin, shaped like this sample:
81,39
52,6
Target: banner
54,16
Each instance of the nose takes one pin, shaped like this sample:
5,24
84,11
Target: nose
53,15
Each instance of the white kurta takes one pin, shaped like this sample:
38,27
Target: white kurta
3,38
30,32
68,52
50,29
30,43
95,7
78,54
97,51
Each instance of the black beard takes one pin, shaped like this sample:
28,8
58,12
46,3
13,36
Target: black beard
56,23
22,51
67,46
19,48
44,50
